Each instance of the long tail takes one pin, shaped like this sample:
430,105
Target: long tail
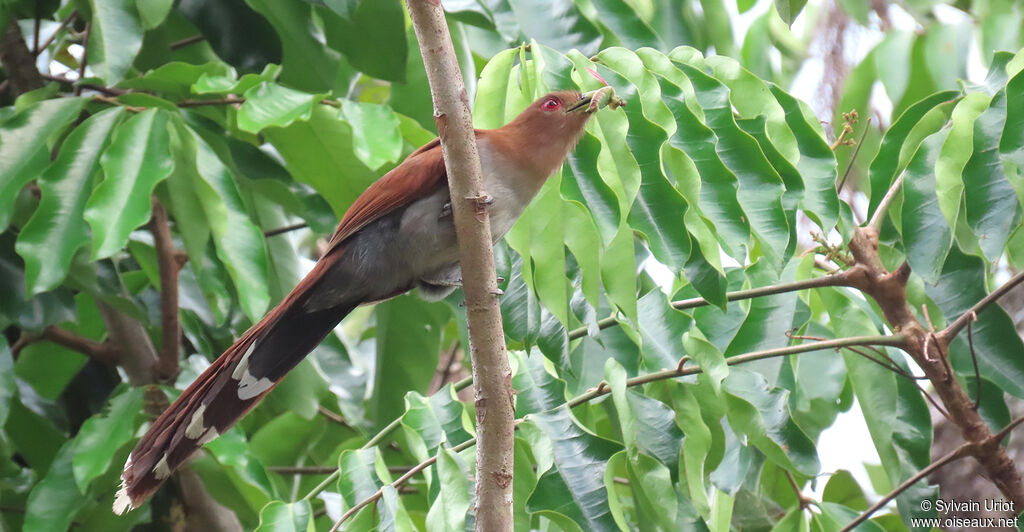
228,389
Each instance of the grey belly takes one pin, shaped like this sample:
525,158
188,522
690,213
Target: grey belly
387,257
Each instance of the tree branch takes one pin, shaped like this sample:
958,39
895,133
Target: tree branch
929,350
895,340
954,328
966,449
491,372
18,62
883,206
838,279
42,46
957,454
167,362
101,351
186,42
285,229
85,56
398,482
109,91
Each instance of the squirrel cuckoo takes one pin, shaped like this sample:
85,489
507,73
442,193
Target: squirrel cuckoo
396,236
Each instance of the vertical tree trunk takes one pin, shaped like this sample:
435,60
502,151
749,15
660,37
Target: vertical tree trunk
491,372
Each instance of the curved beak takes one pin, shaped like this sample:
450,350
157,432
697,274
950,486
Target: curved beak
581,105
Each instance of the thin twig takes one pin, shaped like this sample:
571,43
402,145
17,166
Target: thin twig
894,340
85,57
232,99
838,279
954,328
285,229
805,501
35,27
966,449
324,411
109,91
229,100
957,454
102,351
167,363
398,482
186,41
974,360
446,368
883,206
39,49
856,151
376,439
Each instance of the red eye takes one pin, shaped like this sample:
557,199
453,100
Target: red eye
551,105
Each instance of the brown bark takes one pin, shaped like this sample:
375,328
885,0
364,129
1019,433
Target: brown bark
491,372
930,350
167,362
18,62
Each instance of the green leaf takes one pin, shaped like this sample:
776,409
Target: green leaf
307,64
999,349
661,328
886,164
789,9
137,159
992,208
449,510
269,104
114,39
153,12
175,79
318,151
23,146
371,34
956,151
760,412
101,436
716,185
240,244
842,488
538,389
432,421
575,486
892,62
56,499
650,122
896,414
760,186
375,130
8,386
405,325
53,234
620,22
572,31
648,425
817,164
696,446
760,330
231,84
360,475
926,233
278,516
393,515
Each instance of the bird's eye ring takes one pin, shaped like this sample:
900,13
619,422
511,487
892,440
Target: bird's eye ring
552,104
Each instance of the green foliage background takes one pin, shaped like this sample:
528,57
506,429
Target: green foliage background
288,109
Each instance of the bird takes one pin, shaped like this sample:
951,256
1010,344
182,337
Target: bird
396,236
